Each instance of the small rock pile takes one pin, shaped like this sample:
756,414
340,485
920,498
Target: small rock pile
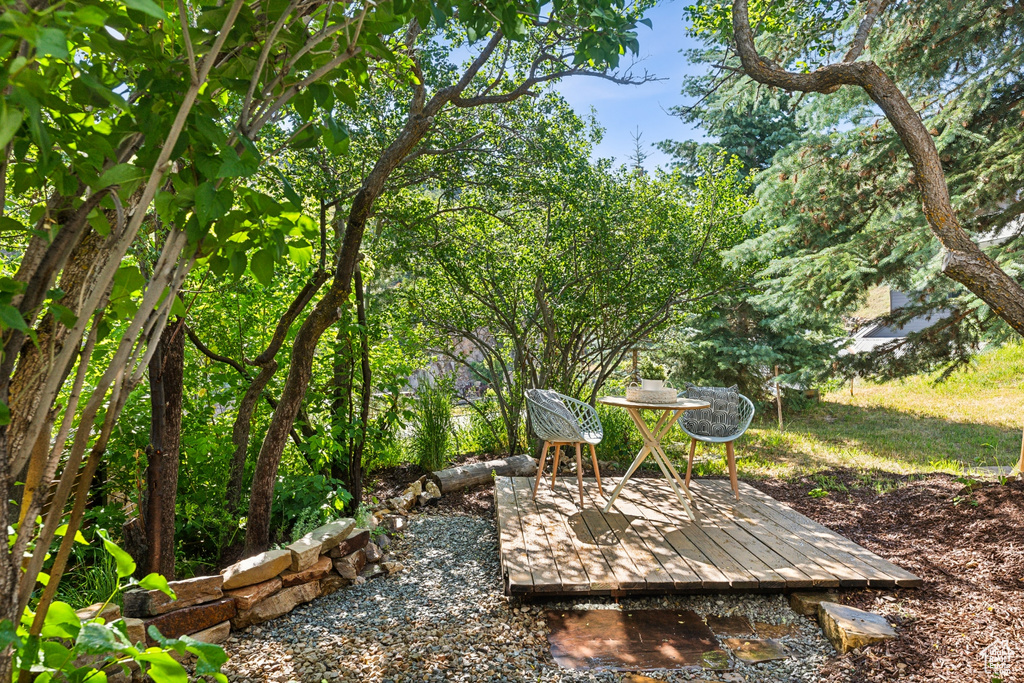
422,492
256,589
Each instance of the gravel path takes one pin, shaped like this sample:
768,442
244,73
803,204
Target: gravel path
445,618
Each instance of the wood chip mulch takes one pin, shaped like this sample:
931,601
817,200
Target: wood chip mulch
966,542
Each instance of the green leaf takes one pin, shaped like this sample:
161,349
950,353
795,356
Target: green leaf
10,121
262,266
125,563
60,621
146,7
157,582
11,318
210,204
8,635
5,414
163,668
300,253
90,15
52,42
289,192
79,538
98,639
119,175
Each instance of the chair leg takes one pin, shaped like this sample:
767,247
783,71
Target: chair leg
579,471
597,470
730,454
554,466
689,463
540,467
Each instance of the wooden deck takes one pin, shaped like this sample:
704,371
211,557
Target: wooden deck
647,545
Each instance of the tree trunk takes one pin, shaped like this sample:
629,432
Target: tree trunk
962,260
166,378
341,399
356,457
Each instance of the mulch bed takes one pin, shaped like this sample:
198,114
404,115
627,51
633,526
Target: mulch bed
391,481
967,543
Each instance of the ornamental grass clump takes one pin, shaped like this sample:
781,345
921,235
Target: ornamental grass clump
432,440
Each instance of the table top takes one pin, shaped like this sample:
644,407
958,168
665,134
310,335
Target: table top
679,404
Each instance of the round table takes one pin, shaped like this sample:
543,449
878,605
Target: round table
652,437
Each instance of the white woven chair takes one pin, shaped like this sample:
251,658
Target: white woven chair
559,421
745,413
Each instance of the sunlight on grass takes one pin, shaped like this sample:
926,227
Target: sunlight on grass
886,431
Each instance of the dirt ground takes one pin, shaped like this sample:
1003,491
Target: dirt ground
966,542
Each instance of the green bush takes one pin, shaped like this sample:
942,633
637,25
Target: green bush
485,432
432,443
621,440
302,501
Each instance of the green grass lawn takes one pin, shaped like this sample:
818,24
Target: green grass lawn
907,427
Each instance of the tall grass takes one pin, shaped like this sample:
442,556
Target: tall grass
432,442
89,583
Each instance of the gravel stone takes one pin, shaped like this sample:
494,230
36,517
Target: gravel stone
446,618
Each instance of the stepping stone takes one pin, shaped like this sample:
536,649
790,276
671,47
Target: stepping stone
627,640
735,626
776,630
756,650
806,602
850,628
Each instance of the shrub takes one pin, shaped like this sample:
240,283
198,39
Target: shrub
485,431
621,439
432,442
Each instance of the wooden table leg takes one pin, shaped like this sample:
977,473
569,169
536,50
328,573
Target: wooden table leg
641,456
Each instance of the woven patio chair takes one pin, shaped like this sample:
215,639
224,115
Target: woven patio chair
564,421
725,421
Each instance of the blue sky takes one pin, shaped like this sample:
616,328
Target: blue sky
622,109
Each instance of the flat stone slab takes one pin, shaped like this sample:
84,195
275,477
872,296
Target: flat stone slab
850,628
215,634
736,626
191,620
350,565
776,630
332,583
247,596
321,568
110,612
332,533
636,639
356,539
188,592
755,650
305,552
256,569
276,605
806,602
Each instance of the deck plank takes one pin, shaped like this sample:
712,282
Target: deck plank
548,546
650,551
552,553
792,549
593,529
703,569
886,574
515,562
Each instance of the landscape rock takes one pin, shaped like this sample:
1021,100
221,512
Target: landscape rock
332,533
135,630
305,552
425,499
320,569
394,524
276,605
391,566
850,628
414,489
373,553
248,596
383,542
188,592
403,502
333,582
372,571
357,538
432,489
806,602
110,612
215,634
193,619
756,650
350,565
256,569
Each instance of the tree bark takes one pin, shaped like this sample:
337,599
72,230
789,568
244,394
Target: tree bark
963,260
166,380
366,386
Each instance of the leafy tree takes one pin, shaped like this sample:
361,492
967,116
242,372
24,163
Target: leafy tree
554,282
